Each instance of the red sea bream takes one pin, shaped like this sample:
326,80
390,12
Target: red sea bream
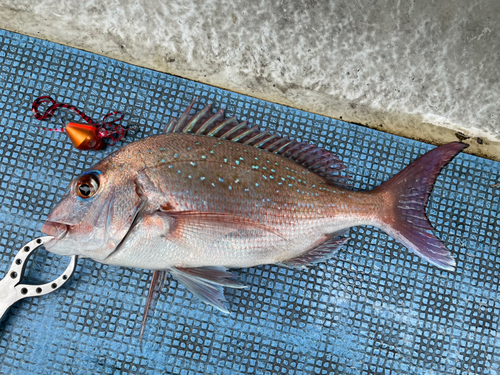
211,194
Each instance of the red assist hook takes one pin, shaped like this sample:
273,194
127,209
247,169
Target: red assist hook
84,136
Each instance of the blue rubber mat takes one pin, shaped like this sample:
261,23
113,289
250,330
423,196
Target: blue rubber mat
373,309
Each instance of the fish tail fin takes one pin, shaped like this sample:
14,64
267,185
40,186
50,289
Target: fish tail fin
405,197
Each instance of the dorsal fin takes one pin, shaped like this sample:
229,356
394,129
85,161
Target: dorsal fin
314,158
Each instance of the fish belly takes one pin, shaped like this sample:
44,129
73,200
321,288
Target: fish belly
245,248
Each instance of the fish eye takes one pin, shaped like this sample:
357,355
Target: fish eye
87,185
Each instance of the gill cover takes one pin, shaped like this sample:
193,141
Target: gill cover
97,213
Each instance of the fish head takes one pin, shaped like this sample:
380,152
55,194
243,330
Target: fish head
94,215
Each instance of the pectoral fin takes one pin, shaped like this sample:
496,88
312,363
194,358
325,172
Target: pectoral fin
192,228
207,283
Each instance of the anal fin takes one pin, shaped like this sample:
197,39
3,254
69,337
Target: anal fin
207,283
320,253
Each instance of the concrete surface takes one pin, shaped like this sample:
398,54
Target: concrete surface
424,70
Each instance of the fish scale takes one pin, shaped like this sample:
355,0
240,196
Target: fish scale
185,180
280,210
212,194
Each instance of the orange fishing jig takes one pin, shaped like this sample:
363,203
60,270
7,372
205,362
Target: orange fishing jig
84,136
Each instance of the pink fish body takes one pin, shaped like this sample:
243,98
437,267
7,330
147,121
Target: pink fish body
212,194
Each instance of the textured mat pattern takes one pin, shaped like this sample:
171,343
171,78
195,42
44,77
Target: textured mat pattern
374,309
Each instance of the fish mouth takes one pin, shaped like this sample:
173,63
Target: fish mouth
56,230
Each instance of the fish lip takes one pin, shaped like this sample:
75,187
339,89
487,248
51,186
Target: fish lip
56,230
